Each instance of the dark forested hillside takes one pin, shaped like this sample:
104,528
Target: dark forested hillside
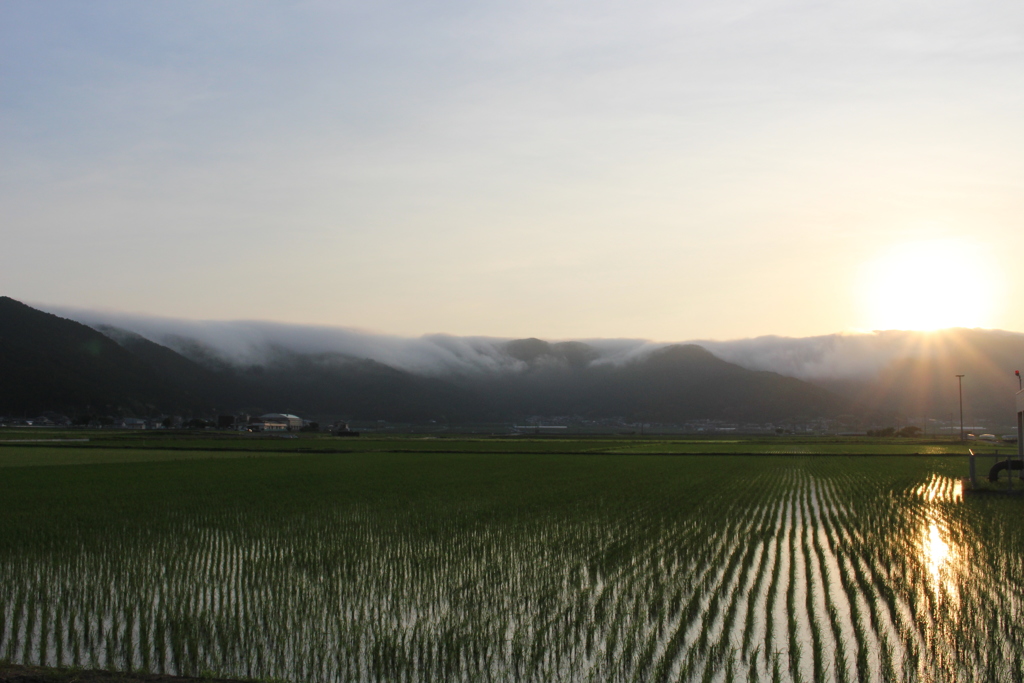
49,363
675,383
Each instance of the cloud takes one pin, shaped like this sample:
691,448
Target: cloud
834,356
251,342
860,355
827,357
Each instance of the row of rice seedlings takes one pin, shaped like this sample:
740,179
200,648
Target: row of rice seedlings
714,654
863,647
771,638
812,589
794,650
285,602
835,604
717,640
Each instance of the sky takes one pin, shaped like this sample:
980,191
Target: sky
655,170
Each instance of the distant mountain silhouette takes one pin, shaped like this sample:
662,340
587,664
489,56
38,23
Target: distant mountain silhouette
339,386
675,383
573,354
49,363
171,366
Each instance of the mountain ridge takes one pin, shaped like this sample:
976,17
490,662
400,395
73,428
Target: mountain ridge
671,384
51,363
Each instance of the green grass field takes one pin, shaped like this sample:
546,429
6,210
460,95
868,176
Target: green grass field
48,442
498,560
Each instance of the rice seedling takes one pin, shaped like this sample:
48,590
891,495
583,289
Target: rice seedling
512,566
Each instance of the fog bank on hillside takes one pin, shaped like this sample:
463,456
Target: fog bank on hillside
246,342
835,357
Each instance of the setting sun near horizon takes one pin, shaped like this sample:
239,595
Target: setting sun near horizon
929,285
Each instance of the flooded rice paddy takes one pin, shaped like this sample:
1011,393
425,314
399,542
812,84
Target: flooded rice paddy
531,568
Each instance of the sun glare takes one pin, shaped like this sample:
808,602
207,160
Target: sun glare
928,286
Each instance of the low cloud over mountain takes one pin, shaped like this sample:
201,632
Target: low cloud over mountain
256,366
248,343
875,375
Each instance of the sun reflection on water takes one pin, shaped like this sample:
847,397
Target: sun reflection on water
936,551
940,489
939,554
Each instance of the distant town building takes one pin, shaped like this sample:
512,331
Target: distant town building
342,429
273,422
293,421
268,426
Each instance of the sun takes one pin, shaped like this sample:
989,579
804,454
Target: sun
928,286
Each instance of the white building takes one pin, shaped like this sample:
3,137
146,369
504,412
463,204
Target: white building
293,421
268,426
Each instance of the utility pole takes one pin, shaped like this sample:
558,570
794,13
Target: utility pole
960,383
